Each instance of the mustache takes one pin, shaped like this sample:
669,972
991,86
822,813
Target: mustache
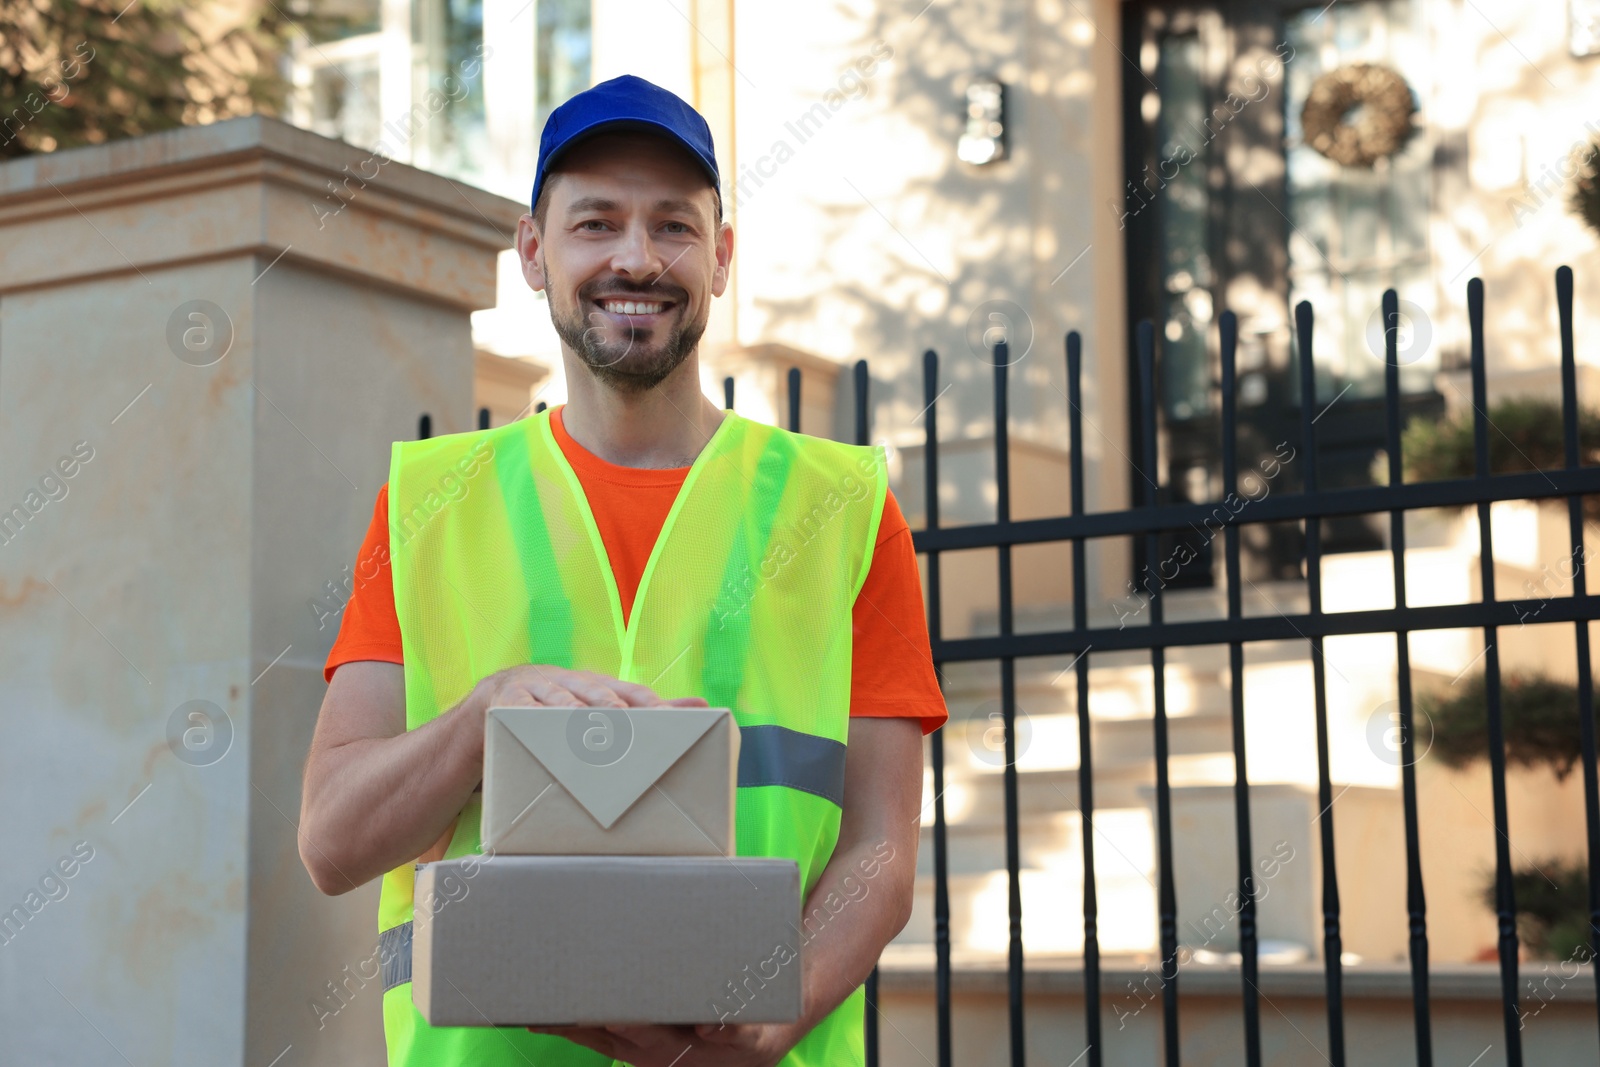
617,287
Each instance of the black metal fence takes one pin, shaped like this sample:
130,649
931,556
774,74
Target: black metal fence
1310,507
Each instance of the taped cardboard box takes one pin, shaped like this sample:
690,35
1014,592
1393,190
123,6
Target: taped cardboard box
599,940
610,781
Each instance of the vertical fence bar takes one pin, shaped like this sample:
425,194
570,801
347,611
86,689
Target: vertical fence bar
941,859
1580,591
1249,972
794,399
1158,666
1332,937
863,381
1080,622
1408,754
1416,899
727,393
1008,706
1504,892
871,1021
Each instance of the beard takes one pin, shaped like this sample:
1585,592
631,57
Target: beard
642,357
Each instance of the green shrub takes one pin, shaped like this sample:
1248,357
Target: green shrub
1540,716
1525,434
1586,188
1552,907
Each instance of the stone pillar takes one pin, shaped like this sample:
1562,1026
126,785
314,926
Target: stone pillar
208,339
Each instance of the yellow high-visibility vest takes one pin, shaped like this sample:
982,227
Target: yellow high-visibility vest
746,601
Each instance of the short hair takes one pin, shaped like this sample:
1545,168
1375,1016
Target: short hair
541,207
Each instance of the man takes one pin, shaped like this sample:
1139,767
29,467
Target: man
636,547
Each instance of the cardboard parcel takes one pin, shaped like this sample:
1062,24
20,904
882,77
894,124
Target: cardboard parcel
598,940
609,891
610,781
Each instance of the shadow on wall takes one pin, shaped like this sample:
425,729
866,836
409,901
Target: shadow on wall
1501,190
917,250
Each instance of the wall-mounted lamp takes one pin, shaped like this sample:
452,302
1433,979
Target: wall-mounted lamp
985,138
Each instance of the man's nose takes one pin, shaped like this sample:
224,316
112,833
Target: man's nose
637,256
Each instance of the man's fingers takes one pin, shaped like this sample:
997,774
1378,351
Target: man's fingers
596,690
533,684
720,1033
590,1037
638,696
515,696
551,695
646,1034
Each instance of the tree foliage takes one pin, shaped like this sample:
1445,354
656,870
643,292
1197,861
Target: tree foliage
81,72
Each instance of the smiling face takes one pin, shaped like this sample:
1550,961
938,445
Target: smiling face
630,253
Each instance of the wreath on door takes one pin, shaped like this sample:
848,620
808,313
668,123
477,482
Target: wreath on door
1380,128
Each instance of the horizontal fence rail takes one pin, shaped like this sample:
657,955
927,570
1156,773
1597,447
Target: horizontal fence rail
1147,519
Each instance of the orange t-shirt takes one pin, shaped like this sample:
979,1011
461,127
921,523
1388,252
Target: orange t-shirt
891,671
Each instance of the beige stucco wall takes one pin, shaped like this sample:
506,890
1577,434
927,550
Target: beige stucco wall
225,498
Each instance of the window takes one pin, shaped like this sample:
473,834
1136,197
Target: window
458,87
447,86
336,72
562,61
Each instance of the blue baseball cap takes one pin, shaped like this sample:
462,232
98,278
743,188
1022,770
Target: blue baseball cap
627,102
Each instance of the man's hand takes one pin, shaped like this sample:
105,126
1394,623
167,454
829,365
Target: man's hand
377,795
706,1045
541,686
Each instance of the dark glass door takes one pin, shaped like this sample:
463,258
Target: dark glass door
1226,207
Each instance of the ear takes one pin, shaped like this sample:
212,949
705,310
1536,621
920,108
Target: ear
528,243
724,251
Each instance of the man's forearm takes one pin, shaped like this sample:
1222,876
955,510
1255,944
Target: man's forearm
861,901
375,803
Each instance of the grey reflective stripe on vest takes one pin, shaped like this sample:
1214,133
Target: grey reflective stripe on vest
394,951
777,755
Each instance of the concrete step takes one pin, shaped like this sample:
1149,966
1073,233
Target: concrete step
1051,883
1050,861
1177,605
975,748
